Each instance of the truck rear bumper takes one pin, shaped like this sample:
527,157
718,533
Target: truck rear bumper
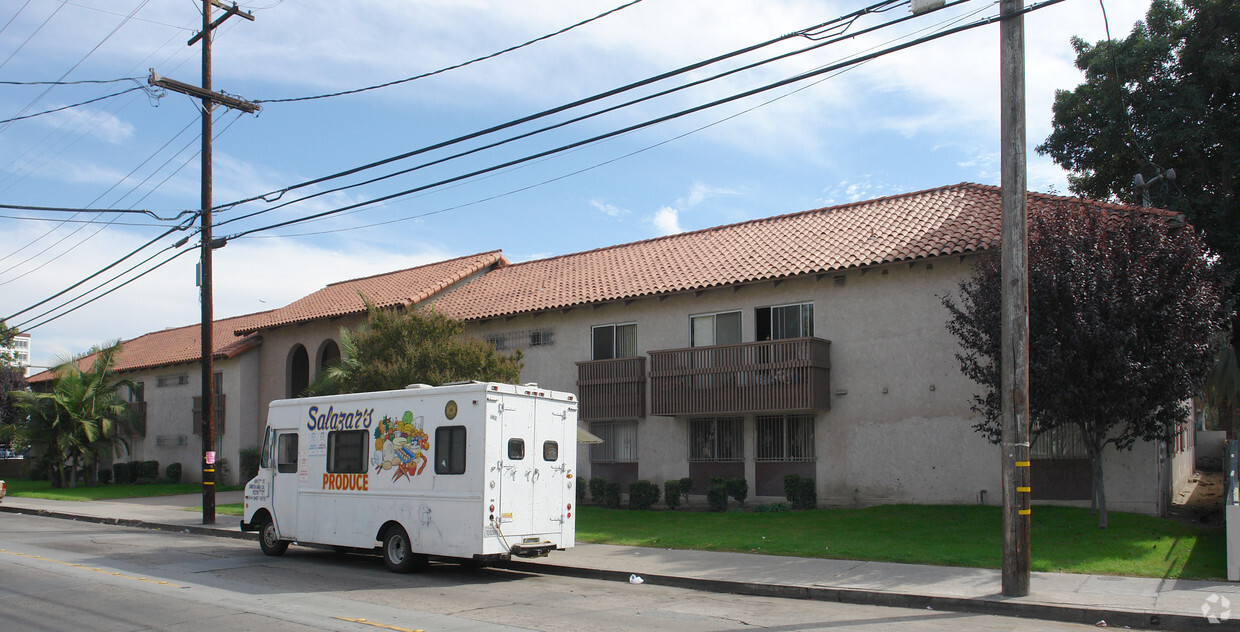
533,549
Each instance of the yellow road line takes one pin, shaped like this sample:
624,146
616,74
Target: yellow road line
97,570
376,625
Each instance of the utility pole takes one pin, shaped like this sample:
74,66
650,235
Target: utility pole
209,99
1014,361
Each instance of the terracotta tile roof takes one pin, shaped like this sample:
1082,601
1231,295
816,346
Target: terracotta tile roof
177,346
944,221
400,288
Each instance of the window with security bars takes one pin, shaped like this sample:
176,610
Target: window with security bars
1060,442
716,439
619,442
785,437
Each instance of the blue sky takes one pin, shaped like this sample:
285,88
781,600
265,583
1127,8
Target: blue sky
916,119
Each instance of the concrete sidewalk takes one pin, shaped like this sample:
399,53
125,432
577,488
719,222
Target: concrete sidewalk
1118,601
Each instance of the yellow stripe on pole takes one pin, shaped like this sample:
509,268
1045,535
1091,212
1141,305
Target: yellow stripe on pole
1022,464
1025,512
208,483
1023,489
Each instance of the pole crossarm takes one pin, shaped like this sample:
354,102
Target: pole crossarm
225,100
228,11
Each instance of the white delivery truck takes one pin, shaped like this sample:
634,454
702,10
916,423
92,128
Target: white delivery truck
479,471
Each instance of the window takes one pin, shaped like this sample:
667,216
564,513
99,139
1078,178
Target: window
1060,442
286,454
171,380
541,338
619,442
715,329
785,437
137,392
551,451
265,459
716,439
784,321
450,450
516,449
499,341
614,341
346,451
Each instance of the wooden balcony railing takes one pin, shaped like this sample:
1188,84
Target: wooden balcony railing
219,414
138,426
779,375
612,389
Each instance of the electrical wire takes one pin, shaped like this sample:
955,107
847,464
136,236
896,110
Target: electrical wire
277,193
174,229
70,83
61,209
31,36
454,67
784,82
127,282
818,38
75,105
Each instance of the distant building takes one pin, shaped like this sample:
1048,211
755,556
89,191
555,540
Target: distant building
20,350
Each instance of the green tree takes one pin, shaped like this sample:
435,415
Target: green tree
395,348
79,419
1125,317
1165,97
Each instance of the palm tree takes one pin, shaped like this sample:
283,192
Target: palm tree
80,418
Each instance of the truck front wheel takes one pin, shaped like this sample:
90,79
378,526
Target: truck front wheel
270,541
397,554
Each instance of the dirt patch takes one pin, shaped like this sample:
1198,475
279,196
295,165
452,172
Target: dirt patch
1200,501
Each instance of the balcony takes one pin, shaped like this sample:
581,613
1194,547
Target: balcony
219,414
752,377
612,389
138,426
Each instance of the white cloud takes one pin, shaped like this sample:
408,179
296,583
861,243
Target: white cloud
608,209
666,221
700,192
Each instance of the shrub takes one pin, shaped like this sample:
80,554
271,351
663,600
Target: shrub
223,472
105,476
135,470
772,508
173,472
148,470
121,472
800,491
671,494
598,489
686,486
611,495
717,497
581,492
249,463
643,494
717,480
738,488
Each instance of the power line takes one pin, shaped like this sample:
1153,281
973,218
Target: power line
76,105
183,226
70,83
61,209
454,67
648,123
817,37
590,99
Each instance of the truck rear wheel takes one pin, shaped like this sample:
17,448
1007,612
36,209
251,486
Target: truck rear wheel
397,554
269,540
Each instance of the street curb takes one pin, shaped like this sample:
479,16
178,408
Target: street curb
996,606
142,524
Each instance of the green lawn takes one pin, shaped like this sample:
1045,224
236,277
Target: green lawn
43,489
1063,539
226,509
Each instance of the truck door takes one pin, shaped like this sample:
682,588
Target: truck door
518,460
284,484
550,469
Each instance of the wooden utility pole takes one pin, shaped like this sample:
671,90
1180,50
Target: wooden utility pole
1014,378
209,99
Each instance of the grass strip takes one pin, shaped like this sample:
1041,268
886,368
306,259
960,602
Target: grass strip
1063,539
44,490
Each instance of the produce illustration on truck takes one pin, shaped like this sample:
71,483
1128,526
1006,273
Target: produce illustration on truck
400,445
